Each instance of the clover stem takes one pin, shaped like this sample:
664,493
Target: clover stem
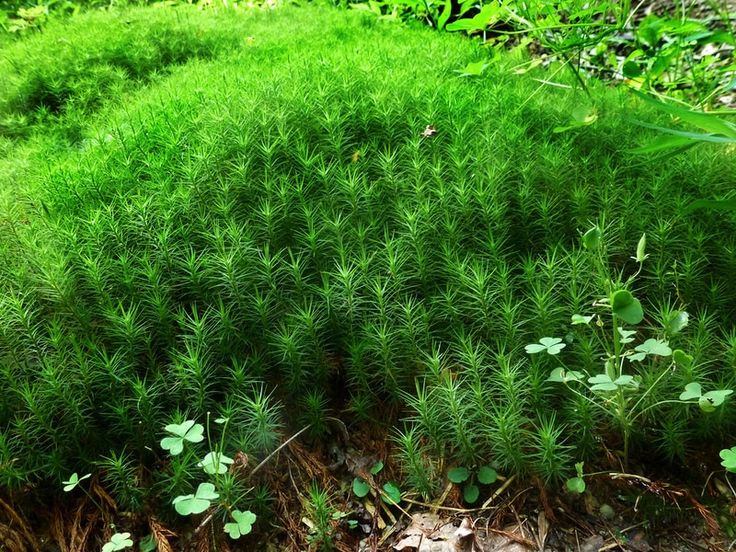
97,504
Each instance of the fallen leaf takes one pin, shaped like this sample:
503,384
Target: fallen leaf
428,131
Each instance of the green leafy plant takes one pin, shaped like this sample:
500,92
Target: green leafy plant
118,541
215,465
618,394
576,484
485,475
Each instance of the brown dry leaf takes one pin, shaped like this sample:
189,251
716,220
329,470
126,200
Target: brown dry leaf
11,539
18,521
161,535
542,530
429,533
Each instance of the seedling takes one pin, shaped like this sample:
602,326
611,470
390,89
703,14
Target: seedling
485,475
576,484
74,481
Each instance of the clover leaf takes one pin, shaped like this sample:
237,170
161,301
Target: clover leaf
602,382
119,541
627,307
185,431
73,481
560,375
651,347
676,322
196,503
243,524
580,319
713,399
377,467
692,391
553,346
627,336
728,457
592,238
576,485
682,359
215,462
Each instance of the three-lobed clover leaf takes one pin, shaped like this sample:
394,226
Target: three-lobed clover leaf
73,481
560,375
707,402
603,382
185,431
119,541
654,347
728,459
215,463
198,502
243,524
553,346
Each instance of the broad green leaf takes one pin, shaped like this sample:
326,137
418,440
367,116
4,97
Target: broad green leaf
534,348
360,487
488,14
602,382
705,121
473,69
392,493
728,457
713,399
196,503
243,524
592,238
580,319
627,307
186,431
653,347
626,381
677,322
576,485
665,143
377,467
631,70
73,481
215,462
458,475
580,117
627,336
487,475
445,15
682,359
471,493
119,541
692,391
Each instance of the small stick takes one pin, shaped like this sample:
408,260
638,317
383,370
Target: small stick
501,489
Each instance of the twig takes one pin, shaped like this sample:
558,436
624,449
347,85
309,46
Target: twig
500,490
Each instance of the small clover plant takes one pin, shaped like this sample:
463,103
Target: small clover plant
485,475
215,465
618,390
576,484
119,541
